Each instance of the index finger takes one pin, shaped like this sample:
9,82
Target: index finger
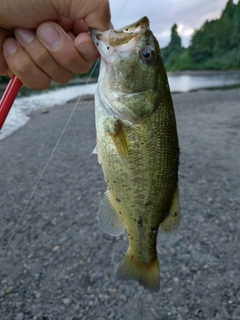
96,14
99,19
29,14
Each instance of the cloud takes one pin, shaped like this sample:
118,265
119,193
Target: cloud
189,15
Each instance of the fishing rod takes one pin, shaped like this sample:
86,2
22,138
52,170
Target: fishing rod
8,98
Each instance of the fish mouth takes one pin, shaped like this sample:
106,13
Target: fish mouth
113,38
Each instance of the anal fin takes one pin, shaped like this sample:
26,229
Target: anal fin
108,219
171,222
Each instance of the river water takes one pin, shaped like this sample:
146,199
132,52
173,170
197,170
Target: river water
23,105
195,81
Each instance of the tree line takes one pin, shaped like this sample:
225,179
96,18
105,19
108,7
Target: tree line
215,46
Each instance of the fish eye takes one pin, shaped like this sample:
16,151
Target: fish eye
147,55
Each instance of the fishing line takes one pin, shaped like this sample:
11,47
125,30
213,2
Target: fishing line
121,11
43,171
51,156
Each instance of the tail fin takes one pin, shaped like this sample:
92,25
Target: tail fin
146,274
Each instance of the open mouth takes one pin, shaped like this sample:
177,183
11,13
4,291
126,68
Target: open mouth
118,37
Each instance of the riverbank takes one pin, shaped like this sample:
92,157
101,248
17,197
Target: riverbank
60,265
85,80
203,72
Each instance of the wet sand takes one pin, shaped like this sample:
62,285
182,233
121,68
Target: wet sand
60,265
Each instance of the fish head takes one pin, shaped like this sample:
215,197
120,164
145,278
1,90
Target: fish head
130,58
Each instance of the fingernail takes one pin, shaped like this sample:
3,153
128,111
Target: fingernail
49,36
25,35
87,49
10,46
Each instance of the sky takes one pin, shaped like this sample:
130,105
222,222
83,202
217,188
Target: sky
187,14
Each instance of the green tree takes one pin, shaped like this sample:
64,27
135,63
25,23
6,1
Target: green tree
171,52
229,10
176,42
235,32
216,44
203,42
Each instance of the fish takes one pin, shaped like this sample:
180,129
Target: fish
137,147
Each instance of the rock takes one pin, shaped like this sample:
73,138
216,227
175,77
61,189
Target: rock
66,301
20,316
9,290
154,313
55,249
111,315
118,316
44,111
2,293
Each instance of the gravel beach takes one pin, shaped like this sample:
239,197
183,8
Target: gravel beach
60,266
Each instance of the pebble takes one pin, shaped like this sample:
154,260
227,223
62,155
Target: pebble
172,250
154,313
179,317
44,111
66,301
2,293
20,316
9,290
55,249
118,316
111,315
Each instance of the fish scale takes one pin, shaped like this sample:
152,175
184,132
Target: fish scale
137,147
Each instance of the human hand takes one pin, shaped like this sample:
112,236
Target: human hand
48,40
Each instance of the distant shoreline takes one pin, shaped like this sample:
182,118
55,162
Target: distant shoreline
169,73
201,72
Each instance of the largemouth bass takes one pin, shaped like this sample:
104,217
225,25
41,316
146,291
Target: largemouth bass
137,146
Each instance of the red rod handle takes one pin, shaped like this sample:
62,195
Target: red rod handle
8,98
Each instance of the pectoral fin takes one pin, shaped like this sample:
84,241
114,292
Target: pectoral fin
96,150
171,222
108,218
119,140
